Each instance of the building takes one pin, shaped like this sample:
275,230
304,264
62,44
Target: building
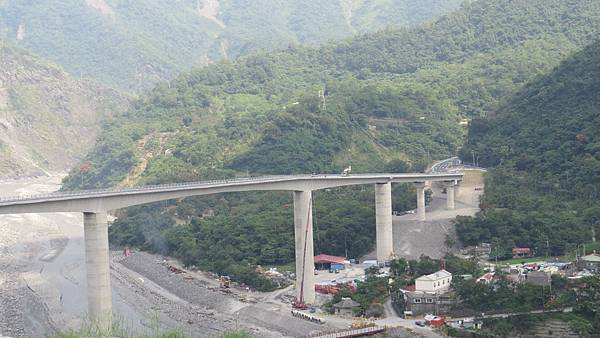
487,278
521,252
435,282
539,278
590,262
430,294
345,307
327,262
420,303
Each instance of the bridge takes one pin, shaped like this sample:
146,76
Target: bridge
94,204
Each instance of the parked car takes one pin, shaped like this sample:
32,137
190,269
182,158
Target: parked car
420,323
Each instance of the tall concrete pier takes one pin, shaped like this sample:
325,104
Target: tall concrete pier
420,186
98,270
305,256
449,195
383,220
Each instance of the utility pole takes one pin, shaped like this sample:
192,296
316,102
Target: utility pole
473,153
346,244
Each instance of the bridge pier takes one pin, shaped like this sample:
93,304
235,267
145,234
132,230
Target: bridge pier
420,200
383,220
305,257
98,270
449,195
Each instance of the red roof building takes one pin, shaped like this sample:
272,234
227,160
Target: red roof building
486,278
409,288
333,263
521,252
327,259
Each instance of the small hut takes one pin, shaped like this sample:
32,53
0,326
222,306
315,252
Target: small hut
345,307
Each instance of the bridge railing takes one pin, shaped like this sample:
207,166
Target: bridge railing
96,192
158,187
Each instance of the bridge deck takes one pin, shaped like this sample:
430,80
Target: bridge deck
114,198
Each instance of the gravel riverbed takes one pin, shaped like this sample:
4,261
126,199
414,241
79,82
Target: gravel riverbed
43,288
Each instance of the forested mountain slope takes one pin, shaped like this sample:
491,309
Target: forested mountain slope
134,44
220,117
318,110
544,148
48,119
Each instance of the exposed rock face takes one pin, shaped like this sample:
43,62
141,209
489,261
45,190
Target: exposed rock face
48,118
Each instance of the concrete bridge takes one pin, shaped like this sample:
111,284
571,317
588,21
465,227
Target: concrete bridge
94,204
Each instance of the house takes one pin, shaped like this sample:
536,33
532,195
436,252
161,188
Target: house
420,303
466,323
435,282
539,278
521,252
590,262
345,307
483,249
487,278
430,294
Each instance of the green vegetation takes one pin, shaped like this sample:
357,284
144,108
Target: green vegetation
120,328
173,334
318,110
133,44
370,294
504,297
544,150
405,272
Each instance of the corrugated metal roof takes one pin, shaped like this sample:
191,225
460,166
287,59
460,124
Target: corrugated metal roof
346,304
591,258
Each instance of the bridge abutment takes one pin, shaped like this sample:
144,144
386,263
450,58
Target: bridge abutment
383,220
305,257
98,270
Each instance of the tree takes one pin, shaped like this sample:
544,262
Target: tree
187,120
398,267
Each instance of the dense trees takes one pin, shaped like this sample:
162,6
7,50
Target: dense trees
545,149
134,45
385,101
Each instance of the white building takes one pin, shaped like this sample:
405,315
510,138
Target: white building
436,282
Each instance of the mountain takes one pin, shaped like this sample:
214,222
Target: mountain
387,101
544,148
134,44
47,117
237,115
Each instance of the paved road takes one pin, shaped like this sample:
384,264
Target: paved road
512,314
110,199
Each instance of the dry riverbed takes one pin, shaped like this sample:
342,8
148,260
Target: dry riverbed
43,288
